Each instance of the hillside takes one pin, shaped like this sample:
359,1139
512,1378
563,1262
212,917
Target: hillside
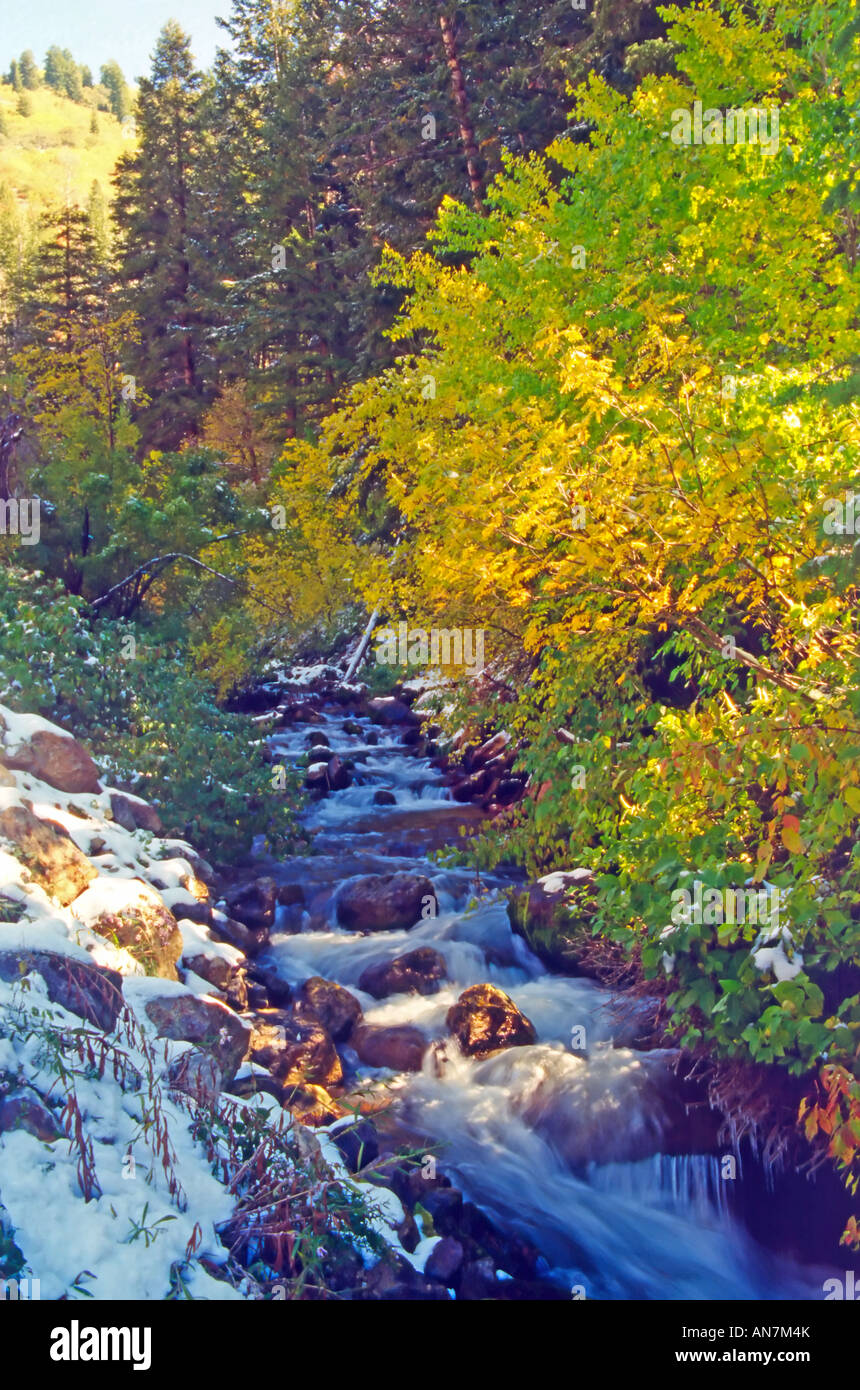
53,155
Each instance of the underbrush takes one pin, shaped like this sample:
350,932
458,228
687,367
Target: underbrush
152,723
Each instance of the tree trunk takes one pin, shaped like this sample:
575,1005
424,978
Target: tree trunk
461,101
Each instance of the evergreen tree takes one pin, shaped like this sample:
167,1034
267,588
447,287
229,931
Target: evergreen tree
65,281
165,261
15,76
286,310
24,105
62,73
55,67
342,124
118,94
29,71
98,218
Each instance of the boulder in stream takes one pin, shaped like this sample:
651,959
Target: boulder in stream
254,903
387,709
401,1048
416,972
330,1004
485,1019
385,902
297,1050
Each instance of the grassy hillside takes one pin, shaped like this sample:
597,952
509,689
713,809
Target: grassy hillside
53,155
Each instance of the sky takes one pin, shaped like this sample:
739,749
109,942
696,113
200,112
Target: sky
96,30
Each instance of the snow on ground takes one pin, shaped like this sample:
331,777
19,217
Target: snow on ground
94,1215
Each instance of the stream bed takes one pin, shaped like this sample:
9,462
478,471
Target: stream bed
578,1143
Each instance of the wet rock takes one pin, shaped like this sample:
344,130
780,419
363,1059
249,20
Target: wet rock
276,988
485,1019
416,972
90,991
24,1109
49,852
444,1206
384,798
330,1004
220,973
471,788
358,1145
290,894
338,775
444,1261
386,709
394,1280
133,814
317,740
408,1233
57,759
400,1047
132,915
196,1074
254,903
316,777
201,1020
319,753
197,910
298,1052
225,928
254,1084
509,790
351,726
312,1105
494,746
385,902
478,1281
237,991
513,1254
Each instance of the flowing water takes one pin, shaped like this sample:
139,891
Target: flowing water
576,1147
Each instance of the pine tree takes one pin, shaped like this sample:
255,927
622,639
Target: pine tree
342,124
285,295
118,93
24,105
15,76
98,218
29,71
165,264
65,285
62,73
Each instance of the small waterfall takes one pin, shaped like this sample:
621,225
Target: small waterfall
572,1142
